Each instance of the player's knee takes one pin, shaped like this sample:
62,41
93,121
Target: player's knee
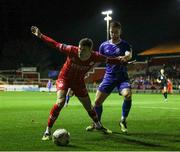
127,98
61,100
100,99
127,95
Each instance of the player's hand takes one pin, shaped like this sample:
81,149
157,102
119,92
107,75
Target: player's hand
36,31
128,56
122,58
158,81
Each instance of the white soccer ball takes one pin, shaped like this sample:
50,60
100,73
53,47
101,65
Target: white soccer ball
61,137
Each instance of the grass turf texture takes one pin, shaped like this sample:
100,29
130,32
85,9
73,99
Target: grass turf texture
152,123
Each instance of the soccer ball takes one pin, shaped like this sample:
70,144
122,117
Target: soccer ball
61,137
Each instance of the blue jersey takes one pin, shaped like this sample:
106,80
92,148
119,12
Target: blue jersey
49,84
114,50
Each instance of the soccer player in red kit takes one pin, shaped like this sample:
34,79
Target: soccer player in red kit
79,60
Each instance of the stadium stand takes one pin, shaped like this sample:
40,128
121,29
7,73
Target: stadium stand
165,56
19,77
95,75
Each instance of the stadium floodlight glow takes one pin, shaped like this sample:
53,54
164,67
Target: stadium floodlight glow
107,19
106,12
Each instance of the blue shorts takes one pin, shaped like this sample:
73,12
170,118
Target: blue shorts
108,84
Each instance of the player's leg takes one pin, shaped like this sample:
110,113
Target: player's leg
105,88
125,91
98,108
83,96
86,102
55,110
165,93
81,92
69,94
54,113
99,99
67,98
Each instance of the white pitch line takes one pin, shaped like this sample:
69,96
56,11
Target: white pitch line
159,108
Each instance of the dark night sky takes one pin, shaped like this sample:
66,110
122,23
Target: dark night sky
145,25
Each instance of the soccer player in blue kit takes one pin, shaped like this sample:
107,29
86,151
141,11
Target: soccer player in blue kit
115,75
49,85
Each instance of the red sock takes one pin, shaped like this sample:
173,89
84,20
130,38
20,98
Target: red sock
54,113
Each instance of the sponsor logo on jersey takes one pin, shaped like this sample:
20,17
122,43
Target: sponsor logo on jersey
80,67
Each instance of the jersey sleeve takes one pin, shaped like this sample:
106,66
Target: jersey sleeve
128,48
99,58
101,48
67,49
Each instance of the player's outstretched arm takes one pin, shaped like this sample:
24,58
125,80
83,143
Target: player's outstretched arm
63,48
116,60
35,30
103,59
159,81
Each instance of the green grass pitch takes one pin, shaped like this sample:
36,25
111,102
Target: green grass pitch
152,124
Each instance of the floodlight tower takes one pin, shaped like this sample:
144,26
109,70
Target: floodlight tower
107,19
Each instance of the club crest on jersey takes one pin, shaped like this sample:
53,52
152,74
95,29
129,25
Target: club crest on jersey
107,51
59,83
117,50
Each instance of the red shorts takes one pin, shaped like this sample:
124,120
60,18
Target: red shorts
79,88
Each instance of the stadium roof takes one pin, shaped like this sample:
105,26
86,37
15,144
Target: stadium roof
168,48
165,60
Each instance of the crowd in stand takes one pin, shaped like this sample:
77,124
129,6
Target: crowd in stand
148,82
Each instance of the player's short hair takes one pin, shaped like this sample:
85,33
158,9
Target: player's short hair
86,42
115,24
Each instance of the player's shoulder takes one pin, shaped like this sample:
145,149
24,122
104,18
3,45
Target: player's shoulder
104,43
124,42
72,49
95,55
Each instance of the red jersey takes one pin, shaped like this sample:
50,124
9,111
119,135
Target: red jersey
74,68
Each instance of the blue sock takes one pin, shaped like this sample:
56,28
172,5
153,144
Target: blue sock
99,110
126,108
67,99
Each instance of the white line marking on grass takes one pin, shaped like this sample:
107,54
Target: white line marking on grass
159,108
